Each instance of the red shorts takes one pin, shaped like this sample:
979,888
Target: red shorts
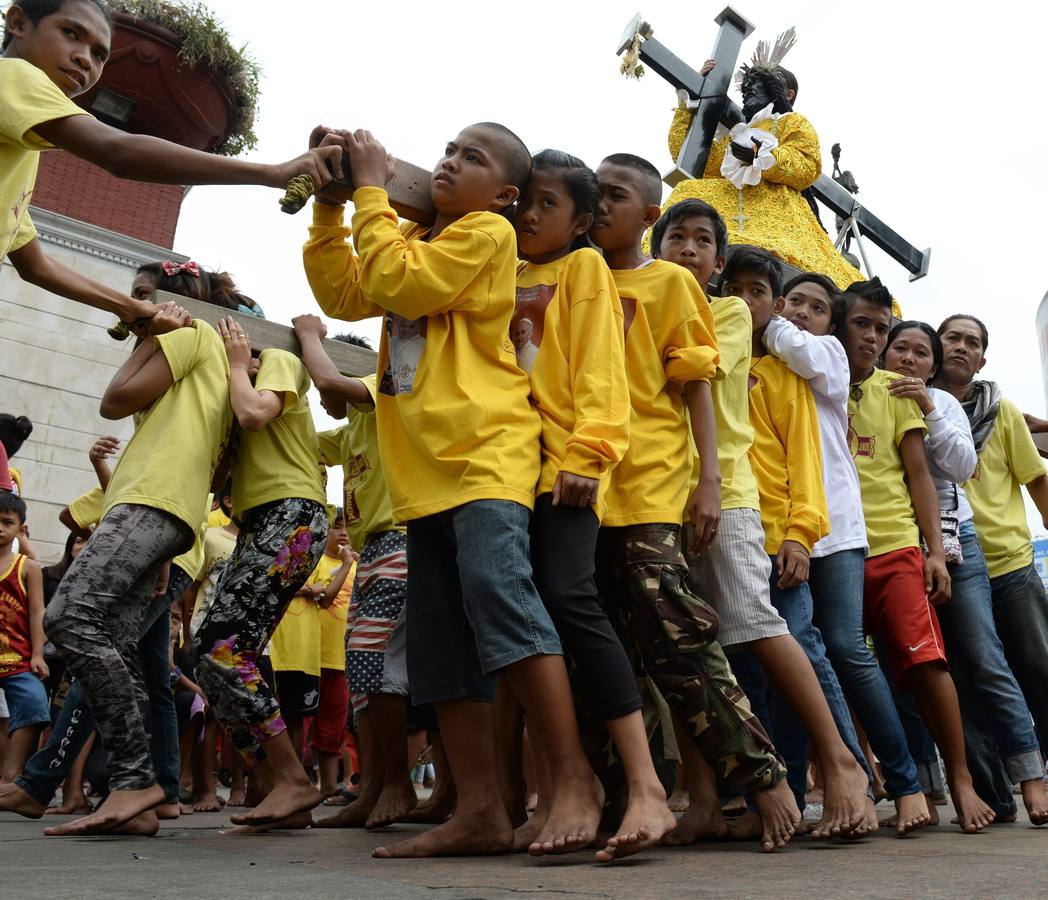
329,722
897,612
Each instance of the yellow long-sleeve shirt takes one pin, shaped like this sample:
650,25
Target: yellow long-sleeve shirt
786,456
569,311
669,342
453,408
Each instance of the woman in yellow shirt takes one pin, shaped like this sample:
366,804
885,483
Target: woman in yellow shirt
279,501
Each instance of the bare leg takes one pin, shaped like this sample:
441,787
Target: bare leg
291,791
703,819
205,797
328,765
679,799
480,825
398,798
937,699
845,781
528,832
369,752
20,744
509,742
441,803
238,782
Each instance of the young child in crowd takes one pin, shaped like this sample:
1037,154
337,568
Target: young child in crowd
53,51
13,433
376,656
735,571
280,504
579,387
900,504
22,666
671,355
466,441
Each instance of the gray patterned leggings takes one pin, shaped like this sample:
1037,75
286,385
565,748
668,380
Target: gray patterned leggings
94,621
278,548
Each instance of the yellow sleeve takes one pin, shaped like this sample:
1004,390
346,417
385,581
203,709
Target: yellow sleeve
1023,459
86,509
331,446
332,268
682,119
808,519
734,333
29,98
416,278
691,353
908,417
598,373
282,373
798,161
184,348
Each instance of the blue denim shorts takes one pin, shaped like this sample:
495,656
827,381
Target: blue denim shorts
26,701
472,607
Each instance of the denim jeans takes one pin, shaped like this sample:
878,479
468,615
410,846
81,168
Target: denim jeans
472,607
48,767
990,697
791,738
836,584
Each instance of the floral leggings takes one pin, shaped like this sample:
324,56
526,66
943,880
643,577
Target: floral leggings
278,547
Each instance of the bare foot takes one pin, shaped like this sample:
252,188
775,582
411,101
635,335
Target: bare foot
972,814
168,810
531,804
736,806
525,835
482,835
647,819
779,815
911,813
184,809
395,801
435,810
237,798
1036,800
679,800
117,809
281,803
294,822
355,815
844,808
72,804
207,803
701,822
145,825
14,799
573,817
747,827
870,825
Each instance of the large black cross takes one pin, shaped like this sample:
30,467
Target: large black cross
714,106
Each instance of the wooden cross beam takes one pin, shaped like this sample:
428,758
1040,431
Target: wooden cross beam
264,335
713,100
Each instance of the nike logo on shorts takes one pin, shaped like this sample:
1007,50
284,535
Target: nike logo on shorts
918,647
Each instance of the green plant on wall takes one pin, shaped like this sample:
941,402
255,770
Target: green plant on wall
205,42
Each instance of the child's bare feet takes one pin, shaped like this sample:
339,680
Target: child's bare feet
281,803
72,804
168,810
483,834
117,809
700,822
911,813
844,808
208,802
395,802
779,815
14,799
679,800
237,797
647,819
1035,800
356,814
573,817
972,814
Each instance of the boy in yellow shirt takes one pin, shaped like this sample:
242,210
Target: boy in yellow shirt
671,355
453,411
53,52
900,504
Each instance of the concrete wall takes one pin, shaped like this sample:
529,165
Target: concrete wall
56,360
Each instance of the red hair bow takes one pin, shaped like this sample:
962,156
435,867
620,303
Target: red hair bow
190,268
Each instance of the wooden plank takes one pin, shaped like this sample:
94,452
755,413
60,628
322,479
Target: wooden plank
350,360
408,191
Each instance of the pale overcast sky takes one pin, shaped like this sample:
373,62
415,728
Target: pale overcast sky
938,109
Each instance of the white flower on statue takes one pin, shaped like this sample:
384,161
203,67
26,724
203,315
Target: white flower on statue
743,174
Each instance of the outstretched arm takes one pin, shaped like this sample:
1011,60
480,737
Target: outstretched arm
34,582
704,505
329,381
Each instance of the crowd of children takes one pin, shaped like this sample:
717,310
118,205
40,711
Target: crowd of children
589,488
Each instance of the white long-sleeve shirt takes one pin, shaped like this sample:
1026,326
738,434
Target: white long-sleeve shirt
950,451
822,362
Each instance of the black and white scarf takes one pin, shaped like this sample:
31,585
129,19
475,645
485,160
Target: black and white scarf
981,408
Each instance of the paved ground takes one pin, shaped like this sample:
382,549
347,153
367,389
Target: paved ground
191,858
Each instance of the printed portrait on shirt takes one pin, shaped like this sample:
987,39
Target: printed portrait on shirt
407,341
860,445
357,468
528,322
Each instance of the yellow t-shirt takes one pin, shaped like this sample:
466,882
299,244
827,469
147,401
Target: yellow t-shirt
1008,460
27,98
877,423
279,461
170,459
295,646
731,406
217,518
453,407
569,324
218,546
192,561
86,509
354,446
333,619
669,342
786,456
